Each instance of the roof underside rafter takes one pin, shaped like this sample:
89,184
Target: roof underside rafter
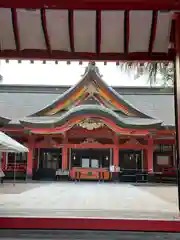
86,34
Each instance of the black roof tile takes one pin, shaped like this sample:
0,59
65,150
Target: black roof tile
19,101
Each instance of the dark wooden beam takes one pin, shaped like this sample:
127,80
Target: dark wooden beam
126,32
45,31
98,32
153,31
94,4
60,55
71,29
15,29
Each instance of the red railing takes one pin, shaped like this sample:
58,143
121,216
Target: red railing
18,167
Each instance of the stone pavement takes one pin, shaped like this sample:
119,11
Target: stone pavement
86,235
70,199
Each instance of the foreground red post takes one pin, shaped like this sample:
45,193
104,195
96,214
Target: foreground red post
177,100
150,155
30,162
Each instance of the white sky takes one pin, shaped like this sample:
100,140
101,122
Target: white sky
62,74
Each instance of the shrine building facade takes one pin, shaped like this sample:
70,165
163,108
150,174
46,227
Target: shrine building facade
80,131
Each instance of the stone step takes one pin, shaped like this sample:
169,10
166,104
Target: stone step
85,235
81,213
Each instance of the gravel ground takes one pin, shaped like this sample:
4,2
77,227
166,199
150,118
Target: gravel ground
165,192
55,199
19,187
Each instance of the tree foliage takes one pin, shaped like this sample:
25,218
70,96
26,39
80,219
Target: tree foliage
155,70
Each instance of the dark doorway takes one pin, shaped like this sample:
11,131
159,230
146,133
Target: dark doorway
50,159
131,165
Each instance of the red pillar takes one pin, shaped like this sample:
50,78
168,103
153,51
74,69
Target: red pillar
3,163
116,156
116,151
177,99
150,151
64,158
29,162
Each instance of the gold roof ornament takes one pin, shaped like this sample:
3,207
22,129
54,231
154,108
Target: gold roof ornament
90,140
90,124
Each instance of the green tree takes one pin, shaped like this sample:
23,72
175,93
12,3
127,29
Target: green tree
163,71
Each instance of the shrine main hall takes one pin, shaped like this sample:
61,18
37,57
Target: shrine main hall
81,130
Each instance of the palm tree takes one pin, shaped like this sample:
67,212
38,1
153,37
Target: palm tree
154,70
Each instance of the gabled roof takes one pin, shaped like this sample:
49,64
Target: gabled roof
91,85
68,108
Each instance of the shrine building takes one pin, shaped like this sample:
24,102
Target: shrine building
80,131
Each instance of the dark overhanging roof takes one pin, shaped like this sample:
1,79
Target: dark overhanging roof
19,101
4,121
59,89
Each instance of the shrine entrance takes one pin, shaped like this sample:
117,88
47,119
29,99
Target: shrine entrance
50,159
131,165
90,164
91,158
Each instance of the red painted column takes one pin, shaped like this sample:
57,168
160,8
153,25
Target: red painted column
64,158
150,151
116,156
29,162
116,151
177,99
3,163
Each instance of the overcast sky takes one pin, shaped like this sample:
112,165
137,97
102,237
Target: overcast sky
62,74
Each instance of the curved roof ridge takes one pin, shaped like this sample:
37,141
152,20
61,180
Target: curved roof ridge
92,110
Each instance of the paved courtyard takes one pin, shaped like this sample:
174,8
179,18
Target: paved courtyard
68,199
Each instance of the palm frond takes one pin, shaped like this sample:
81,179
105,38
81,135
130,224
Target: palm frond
165,71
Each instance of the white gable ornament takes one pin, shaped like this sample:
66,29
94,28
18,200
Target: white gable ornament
91,89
